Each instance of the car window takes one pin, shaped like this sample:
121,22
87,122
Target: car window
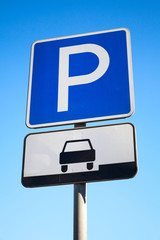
77,146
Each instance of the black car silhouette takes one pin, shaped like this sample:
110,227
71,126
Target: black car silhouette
71,157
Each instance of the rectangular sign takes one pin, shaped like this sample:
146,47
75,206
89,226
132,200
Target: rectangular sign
79,155
80,78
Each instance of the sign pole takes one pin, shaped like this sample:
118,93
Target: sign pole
80,207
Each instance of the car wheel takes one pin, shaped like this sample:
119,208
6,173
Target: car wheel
64,168
89,166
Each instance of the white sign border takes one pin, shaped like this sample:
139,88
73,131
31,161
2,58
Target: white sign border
87,119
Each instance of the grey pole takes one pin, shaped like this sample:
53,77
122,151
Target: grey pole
80,207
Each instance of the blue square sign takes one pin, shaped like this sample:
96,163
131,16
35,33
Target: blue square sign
80,78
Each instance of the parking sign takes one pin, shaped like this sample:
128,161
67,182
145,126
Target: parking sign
80,78
79,155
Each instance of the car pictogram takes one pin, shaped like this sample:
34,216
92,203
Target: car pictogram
78,156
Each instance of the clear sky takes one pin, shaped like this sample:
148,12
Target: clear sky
126,209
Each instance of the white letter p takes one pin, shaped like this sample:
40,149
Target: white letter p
65,81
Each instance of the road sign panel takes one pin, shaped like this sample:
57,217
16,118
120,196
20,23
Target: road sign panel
79,155
80,78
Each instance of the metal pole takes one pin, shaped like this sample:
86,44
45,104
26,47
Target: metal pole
80,207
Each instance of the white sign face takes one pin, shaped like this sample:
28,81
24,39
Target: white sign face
79,155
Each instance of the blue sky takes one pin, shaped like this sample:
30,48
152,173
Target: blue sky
126,209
